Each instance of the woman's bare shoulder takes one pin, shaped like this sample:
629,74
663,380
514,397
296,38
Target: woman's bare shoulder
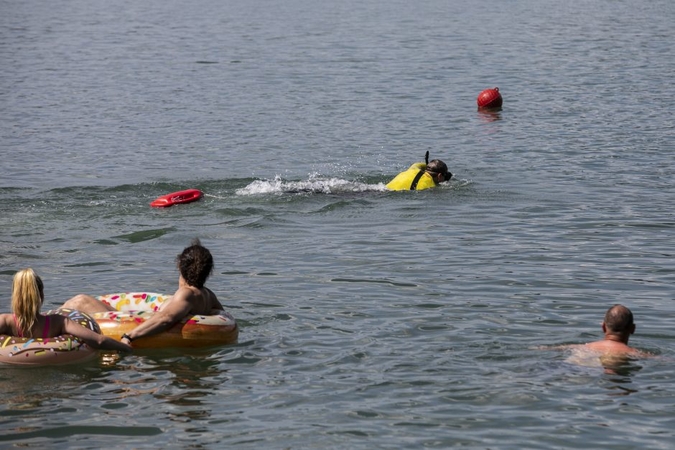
6,323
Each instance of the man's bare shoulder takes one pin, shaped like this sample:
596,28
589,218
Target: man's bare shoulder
611,347
212,298
179,298
599,348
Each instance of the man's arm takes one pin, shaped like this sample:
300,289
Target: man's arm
177,308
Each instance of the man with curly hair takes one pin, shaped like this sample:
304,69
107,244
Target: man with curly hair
195,264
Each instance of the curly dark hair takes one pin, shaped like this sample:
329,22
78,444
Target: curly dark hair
195,264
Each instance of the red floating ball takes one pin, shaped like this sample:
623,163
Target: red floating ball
489,98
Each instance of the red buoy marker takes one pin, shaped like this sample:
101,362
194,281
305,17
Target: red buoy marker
175,198
489,99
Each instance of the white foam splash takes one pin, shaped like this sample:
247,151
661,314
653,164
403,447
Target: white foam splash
315,184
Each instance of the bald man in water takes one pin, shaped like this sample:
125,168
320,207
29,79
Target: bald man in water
613,351
617,326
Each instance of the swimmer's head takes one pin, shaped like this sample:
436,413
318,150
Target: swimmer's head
195,264
619,319
436,166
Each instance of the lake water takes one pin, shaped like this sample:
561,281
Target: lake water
369,319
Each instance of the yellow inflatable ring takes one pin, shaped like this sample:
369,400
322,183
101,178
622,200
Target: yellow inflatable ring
134,308
58,350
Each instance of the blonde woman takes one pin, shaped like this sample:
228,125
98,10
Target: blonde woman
27,322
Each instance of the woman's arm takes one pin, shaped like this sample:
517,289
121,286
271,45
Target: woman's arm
91,338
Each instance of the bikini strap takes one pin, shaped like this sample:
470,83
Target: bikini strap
16,323
45,331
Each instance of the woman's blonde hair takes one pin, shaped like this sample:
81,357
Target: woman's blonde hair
27,297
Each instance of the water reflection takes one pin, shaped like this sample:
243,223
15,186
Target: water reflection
36,399
185,383
490,115
28,388
617,390
619,369
619,365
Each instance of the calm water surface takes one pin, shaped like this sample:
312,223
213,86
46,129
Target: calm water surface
369,319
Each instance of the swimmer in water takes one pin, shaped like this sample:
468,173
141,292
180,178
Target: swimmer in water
617,327
612,351
421,175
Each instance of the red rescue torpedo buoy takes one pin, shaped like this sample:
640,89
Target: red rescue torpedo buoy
489,98
175,198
